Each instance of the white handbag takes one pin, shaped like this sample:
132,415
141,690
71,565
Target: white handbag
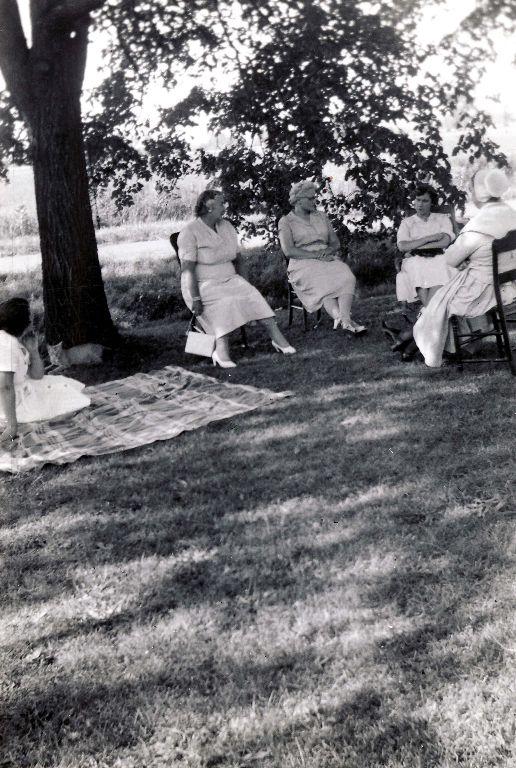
199,343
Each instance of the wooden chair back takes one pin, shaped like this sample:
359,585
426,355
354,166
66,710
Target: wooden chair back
504,259
173,242
504,271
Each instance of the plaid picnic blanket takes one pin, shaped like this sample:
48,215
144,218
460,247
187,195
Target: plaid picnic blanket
131,412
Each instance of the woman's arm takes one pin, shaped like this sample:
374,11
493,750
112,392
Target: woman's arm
443,242
463,247
36,368
8,402
292,252
191,284
437,240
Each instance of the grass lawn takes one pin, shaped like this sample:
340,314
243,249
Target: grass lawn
324,583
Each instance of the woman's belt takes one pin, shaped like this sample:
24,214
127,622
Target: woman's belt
426,251
220,271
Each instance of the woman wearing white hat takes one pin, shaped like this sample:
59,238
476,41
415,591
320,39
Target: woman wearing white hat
470,294
315,267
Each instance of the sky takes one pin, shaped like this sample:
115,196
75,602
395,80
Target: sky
437,21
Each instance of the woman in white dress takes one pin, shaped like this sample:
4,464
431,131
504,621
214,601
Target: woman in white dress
470,294
211,281
315,268
422,239
26,394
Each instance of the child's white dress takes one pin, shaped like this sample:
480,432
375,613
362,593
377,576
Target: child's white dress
38,399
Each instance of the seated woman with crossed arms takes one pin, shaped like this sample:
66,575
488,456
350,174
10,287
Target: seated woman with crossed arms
315,268
421,240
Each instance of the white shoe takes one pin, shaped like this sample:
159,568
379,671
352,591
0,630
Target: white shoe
336,323
288,350
354,328
223,363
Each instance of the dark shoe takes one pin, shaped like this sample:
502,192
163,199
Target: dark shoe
402,343
409,352
411,314
390,332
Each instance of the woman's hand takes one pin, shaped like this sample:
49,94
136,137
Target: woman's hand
328,254
335,252
30,342
197,307
9,434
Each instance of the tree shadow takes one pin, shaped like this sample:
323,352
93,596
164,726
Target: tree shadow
252,514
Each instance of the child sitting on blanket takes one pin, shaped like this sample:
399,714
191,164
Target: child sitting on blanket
26,394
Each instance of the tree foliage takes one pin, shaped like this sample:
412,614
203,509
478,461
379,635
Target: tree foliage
303,84
344,83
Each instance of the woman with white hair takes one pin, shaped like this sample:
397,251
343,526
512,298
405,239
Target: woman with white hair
470,294
319,276
211,283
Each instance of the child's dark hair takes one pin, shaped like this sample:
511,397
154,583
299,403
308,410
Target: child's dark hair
14,316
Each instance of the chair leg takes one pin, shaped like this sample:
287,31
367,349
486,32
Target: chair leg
458,351
500,341
290,307
507,344
243,333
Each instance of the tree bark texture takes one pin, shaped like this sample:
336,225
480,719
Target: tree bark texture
76,310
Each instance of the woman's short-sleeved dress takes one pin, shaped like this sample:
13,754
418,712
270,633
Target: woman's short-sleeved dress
312,279
229,301
470,294
38,399
423,271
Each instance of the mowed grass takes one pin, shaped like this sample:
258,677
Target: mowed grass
324,583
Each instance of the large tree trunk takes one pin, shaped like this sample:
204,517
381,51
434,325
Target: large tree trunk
46,83
76,310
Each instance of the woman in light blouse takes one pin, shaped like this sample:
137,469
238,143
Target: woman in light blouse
315,267
421,239
212,283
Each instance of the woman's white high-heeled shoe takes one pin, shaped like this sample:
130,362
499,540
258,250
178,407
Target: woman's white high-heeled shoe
289,350
354,328
223,363
336,323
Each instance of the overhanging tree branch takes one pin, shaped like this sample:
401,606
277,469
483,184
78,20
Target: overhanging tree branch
14,55
69,12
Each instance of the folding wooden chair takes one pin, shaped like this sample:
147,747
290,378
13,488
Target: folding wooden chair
193,325
504,271
293,302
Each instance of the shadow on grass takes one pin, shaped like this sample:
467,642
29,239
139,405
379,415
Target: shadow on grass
379,490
